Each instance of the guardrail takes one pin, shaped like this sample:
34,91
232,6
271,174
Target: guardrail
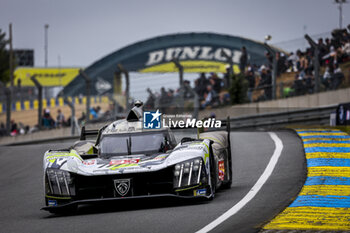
314,116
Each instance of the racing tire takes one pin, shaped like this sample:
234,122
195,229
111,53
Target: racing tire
212,188
228,183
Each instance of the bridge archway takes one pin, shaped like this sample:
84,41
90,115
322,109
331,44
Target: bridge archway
197,52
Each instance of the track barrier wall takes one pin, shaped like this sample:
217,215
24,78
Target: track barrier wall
49,103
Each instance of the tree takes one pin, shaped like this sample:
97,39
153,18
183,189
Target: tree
238,89
4,59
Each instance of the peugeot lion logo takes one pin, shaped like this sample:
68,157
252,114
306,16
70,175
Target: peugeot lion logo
122,186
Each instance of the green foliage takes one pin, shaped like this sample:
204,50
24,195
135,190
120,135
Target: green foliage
4,59
238,89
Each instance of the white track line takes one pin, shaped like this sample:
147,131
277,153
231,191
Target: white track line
254,190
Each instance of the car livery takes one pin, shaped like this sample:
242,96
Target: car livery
126,161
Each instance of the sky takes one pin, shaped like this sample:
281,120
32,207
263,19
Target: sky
81,32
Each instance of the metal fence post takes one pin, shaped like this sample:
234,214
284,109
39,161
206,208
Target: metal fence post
181,71
127,85
72,118
7,92
40,100
88,92
316,62
274,69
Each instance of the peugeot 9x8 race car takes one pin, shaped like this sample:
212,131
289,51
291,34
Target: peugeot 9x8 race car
126,161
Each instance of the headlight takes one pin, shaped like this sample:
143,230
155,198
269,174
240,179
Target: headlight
188,173
59,182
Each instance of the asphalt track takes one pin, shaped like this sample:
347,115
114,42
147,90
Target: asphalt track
21,194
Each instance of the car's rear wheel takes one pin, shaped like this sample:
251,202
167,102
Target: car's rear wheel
228,183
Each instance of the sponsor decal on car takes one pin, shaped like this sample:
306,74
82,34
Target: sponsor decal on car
221,170
90,162
160,157
200,192
52,203
123,161
57,163
122,186
52,156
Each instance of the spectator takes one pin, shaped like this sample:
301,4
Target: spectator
60,120
99,111
251,83
150,100
170,96
337,78
93,113
326,80
216,82
82,118
243,60
270,59
202,83
309,84
292,62
188,93
298,85
322,48
302,63
309,61
346,48
328,45
210,97
281,63
47,121
14,128
266,83
226,77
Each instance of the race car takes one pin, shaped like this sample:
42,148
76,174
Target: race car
127,161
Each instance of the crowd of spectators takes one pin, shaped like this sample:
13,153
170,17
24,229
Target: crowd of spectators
211,91
332,52
48,122
15,129
166,98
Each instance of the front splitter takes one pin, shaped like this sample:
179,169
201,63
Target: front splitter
102,200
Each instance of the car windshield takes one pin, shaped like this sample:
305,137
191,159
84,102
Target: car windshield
123,144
